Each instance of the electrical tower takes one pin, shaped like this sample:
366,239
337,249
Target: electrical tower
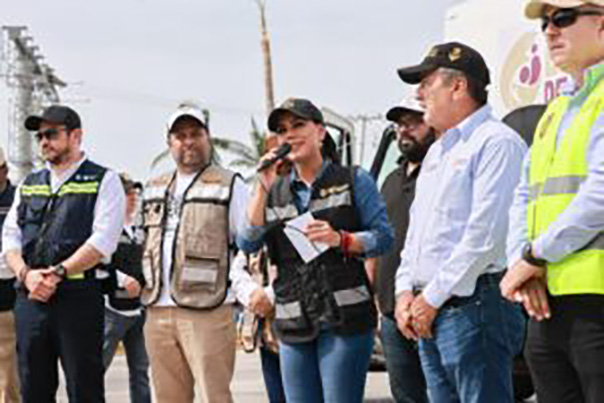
32,85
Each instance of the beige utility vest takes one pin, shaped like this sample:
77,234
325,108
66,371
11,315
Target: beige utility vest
200,261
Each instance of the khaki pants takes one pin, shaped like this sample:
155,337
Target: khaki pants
187,346
9,381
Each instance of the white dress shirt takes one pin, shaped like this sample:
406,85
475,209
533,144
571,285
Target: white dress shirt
108,212
459,218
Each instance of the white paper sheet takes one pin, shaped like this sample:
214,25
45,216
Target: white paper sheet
294,229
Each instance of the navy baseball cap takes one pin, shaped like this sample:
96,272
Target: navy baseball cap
59,114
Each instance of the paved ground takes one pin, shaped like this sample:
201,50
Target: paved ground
247,385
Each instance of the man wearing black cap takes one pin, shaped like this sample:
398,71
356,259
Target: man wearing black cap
413,139
454,256
65,221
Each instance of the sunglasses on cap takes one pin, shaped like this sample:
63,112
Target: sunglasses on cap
49,134
565,17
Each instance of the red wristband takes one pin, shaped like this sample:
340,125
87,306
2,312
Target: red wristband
345,242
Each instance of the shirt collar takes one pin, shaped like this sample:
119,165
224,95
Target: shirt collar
466,127
591,78
69,171
295,179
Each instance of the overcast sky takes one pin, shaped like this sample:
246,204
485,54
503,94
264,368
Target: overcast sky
129,62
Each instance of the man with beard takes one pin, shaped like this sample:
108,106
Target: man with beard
65,220
191,217
413,138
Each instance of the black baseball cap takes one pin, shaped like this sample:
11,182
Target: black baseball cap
128,183
302,108
452,55
55,114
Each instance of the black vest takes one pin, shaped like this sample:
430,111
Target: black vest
7,286
55,225
331,289
398,191
127,258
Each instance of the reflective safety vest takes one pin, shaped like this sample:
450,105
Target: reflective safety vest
55,225
331,289
555,176
199,275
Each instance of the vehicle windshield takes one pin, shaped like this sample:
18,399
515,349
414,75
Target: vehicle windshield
393,154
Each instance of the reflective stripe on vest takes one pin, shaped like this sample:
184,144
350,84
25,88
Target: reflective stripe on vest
350,296
35,190
329,199
555,176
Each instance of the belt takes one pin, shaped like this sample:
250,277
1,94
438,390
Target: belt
484,280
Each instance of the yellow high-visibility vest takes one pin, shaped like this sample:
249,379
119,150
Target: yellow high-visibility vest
555,175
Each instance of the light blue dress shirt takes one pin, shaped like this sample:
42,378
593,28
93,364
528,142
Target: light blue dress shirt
583,219
459,218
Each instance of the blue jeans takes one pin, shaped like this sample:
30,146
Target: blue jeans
470,358
271,372
407,381
330,369
129,330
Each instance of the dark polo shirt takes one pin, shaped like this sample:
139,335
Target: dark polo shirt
398,191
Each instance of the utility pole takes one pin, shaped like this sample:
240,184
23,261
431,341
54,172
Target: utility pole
32,86
266,58
364,120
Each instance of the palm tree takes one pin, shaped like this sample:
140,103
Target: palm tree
246,156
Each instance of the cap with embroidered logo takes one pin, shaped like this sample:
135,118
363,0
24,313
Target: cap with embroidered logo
452,55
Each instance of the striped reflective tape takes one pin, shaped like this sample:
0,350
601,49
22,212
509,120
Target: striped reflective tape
35,190
352,296
333,200
79,188
208,191
555,186
281,213
290,310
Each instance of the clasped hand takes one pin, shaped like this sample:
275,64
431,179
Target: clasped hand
42,284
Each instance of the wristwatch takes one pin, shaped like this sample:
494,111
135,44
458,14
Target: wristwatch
60,270
529,257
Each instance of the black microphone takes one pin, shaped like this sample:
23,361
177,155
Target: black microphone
281,152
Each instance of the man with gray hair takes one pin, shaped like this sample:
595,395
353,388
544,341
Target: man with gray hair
447,284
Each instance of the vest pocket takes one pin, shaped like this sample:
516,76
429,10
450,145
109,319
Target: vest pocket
199,273
290,316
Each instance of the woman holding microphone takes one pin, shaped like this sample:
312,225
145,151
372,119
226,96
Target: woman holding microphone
325,316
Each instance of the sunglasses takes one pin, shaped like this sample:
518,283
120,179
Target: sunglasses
565,17
49,134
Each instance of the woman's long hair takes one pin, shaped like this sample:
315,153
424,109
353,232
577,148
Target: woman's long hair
329,150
